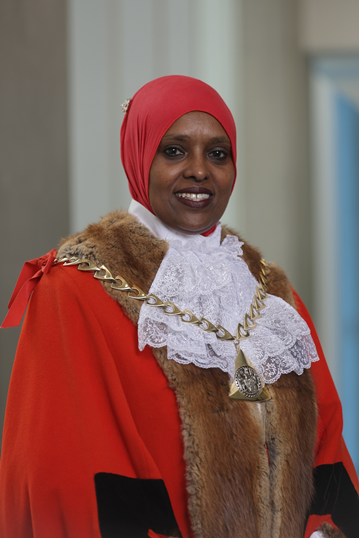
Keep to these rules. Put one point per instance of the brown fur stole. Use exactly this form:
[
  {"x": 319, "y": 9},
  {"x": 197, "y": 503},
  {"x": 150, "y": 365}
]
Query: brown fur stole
[{"x": 233, "y": 491}]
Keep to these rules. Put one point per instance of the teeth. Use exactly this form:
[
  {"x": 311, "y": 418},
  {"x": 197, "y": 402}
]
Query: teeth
[{"x": 193, "y": 196}]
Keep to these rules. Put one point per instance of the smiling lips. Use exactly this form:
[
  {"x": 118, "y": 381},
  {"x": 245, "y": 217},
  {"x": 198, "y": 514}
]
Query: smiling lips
[
  {"x": 193, "y": 196},
  {"x": 196, "y": 197}
]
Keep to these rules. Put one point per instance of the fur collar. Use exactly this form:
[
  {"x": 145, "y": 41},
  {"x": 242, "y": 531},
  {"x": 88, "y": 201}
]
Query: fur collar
[{"x": 233, "y": 491}]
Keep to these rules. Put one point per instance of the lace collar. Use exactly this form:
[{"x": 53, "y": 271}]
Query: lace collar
[{"x": 211, "y": 279}]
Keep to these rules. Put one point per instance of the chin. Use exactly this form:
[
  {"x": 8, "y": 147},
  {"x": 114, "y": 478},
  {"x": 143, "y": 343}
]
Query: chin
[{"x": 193, "y": 230}]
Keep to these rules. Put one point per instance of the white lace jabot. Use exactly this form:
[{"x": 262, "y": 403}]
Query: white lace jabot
[{"x": 211, "y": 279}]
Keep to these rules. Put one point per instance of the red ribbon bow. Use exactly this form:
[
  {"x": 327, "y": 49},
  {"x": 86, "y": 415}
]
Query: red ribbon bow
[{"x": 30, "y": 274}]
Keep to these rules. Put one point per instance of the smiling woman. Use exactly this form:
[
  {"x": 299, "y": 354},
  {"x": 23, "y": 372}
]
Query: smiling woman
[
  {"x": 192, "y": 174},
  {"x": 167, "y": 381}
]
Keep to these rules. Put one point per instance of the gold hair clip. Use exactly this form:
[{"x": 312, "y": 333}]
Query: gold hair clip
[{"x": 125, "y": 105}]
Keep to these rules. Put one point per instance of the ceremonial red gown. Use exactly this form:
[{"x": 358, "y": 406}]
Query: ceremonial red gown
[{"x": 83, "y": 400}]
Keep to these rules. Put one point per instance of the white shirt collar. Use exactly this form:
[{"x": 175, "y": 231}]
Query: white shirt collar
[{"x": 159, "y": 229}]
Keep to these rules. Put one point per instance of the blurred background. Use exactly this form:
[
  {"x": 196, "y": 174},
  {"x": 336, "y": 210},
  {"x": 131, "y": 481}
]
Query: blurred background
[{"x": 289, "y": 71}]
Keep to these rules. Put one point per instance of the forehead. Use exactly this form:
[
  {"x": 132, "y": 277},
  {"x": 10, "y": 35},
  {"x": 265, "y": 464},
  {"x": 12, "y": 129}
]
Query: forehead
[{"x": 196, "y": 123}]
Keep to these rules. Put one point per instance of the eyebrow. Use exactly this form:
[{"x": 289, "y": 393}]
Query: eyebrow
[{"x": 214, "y": 140}]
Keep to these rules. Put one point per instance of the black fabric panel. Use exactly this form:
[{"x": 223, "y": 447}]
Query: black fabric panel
[
  {"x": 334, "y": 494},
  {"x": 129, "y": 507}
]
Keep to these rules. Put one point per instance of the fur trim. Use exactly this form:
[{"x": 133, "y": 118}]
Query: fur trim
[
  {"x": 126, "y": 247},
  {"x": 233, "y": 492},
  {"x": 330, "y": 532}
]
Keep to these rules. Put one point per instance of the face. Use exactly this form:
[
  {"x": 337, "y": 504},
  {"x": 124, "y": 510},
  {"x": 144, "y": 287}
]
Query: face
[{"x": 192, "y": 174}]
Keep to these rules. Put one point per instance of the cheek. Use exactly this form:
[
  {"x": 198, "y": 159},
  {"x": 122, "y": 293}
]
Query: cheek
[
  {"x": 154, "y": 182},
  {"x": 157, "y": 174},
  {"x": 231, "y": 181},
  {"x": 162, "y": 179},
  {"x": 158, "y": 187}
]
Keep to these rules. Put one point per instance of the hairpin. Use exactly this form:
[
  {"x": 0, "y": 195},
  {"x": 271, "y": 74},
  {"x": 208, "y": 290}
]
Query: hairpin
[{"x": 125, "y": 105}]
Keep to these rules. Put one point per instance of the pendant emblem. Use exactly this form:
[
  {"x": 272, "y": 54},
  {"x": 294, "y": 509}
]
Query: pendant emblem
[
  {"x": 248, "y": 381},
  {"x": 247, "y": 384}
]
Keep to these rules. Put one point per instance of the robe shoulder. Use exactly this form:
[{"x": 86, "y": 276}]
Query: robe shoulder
[{"x": 83, "y": 401}]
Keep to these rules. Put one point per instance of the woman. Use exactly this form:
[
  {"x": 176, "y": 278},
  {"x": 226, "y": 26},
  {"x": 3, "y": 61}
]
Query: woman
[{"x": 104, "y": 439}]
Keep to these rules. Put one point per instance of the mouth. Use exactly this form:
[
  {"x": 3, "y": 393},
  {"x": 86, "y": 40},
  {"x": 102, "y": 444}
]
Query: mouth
[
  {"x": 193, "y": 196},
  {"x": 196, "y": 197}
]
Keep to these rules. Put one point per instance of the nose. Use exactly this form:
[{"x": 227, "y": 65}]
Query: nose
[{"x": 196, "y": 167}]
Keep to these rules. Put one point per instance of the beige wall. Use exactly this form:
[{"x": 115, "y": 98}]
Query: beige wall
[
  {"x": 329, "y": 25},
  {"x": 276, "y": 134},
  {"x": 33, "y": 145}
]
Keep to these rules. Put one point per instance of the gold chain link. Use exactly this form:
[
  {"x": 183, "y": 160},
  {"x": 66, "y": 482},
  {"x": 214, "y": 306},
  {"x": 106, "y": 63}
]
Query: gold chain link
[{"x": 118, "y": 283}]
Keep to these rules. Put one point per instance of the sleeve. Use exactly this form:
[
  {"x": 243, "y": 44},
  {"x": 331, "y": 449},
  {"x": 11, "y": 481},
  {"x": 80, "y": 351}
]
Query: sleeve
[
  {"x": 68, "y": 424},
  {"x": 336, "y": 502}
]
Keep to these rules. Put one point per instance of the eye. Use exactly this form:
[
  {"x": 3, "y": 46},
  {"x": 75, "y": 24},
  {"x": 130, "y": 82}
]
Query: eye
[
  {"x": 218, "y": 154},
  {"x": 173, "y": 151}
]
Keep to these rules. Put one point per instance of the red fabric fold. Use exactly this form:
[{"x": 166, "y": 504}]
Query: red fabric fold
[{"x": 30, "y": 274}]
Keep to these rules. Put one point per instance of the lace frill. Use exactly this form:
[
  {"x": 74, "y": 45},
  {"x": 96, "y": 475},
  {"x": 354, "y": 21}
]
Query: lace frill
[{"x": 215, "y": 282}]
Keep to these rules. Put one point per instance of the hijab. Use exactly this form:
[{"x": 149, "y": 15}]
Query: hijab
[{"x": 152, "y": 111}]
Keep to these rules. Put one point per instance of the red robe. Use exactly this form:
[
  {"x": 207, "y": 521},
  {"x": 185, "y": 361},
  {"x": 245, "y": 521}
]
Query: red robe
[{"x": 83, "y": 400}]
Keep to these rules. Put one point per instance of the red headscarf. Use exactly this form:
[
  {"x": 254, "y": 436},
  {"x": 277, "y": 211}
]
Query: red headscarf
[{"x": 152, "y": 111}]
